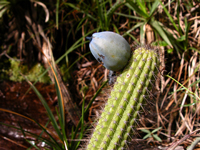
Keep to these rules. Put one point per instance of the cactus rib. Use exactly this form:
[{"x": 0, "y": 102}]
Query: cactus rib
[{"x": 124, "y": 103}]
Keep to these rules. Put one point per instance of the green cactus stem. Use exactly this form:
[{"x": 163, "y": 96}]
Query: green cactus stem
[{"x": 124, "y": 104}]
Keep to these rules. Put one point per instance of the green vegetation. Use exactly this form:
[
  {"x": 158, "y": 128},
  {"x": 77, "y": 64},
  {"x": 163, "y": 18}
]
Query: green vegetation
[
  {"x": 15, "y": 71},
  {"x": 52, "y": 34},
  {"x": 125, "y": 102},
  {"x": 150, "y": 134}
]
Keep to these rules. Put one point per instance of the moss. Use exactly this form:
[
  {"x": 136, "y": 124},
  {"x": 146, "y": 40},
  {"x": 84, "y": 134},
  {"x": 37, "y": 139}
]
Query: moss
[{"x": 33, "y": 74}]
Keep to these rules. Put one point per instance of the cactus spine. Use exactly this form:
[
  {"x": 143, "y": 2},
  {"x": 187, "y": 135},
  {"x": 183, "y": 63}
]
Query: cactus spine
[{"x": 124, "y": 103}]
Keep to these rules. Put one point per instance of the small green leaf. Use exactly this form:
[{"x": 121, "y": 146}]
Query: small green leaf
[
  {"x": 155, "y": 136},
  {"x": 182, "y": 38},
  {"x": 145, "y": 130},
  {"x": 187, "y": 105},
  {"x": 159, "y": 43},
  {"x": 169, "y": 51},
  {"x": 2, "y": 11},
  {"x": 147, "y": 136},
  {"x": 157, "y": 129}
]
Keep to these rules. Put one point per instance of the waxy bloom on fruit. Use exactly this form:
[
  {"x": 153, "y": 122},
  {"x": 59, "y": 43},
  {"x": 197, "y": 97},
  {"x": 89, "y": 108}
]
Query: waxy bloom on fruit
[{"x": 111, "y": 49}]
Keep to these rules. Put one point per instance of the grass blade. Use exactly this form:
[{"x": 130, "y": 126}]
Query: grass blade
[
  {"x": 60, "y": 101},
  {"x": 86, "y": 112},
  {"x": 142, "y": 33},
  {"x": 112, "y": 9},
  {"x": 184, "y": 87},
  {"x": 155, "y": 24},
  {"x": 52, "y": 144},
  {"x": 133, "y": 28},
  {"x": 57, "y": 14},
  {"x": 142, "y": 6},
  {"x": 80, "y": 10},
  {"x": 49, "y": 112},
  {"x": 154, "y": 7},
  {"x": 169, "y": 16},
  {"x": 134, "y": 6},
  {"x": 130, "y": 16}
]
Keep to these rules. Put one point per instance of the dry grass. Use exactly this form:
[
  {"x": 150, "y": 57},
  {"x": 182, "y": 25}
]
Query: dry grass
[{"x": 175, "y": 105}]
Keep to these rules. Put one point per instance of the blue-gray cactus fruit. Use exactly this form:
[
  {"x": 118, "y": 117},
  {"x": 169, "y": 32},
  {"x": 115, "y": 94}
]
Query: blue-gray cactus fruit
[{"x": 110, "y": 49}]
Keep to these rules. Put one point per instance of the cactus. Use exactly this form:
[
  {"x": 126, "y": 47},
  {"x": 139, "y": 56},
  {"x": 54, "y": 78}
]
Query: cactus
[{"x": 123, "y": 106}]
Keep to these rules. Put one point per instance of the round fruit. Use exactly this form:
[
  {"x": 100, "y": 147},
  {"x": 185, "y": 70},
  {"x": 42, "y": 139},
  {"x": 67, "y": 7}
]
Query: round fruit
[{"x": 110, "y": 49}]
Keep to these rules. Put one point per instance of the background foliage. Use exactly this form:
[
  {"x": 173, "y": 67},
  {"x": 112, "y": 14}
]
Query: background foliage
[{"x": 172, "y": 26}]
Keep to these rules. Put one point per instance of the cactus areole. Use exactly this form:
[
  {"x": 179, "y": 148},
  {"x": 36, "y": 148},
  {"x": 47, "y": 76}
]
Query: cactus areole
[{"x": 110, "y": 49}]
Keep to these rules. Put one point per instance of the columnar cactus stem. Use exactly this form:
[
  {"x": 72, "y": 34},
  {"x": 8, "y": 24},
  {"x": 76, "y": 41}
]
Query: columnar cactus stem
[{"x": 124, "y": 103}]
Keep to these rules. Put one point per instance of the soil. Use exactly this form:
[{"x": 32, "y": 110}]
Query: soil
[{"x": 14, "y": 97}]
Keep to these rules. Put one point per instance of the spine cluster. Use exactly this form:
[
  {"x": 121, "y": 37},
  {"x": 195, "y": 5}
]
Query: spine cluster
[{"x": 123, "y": 106}]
